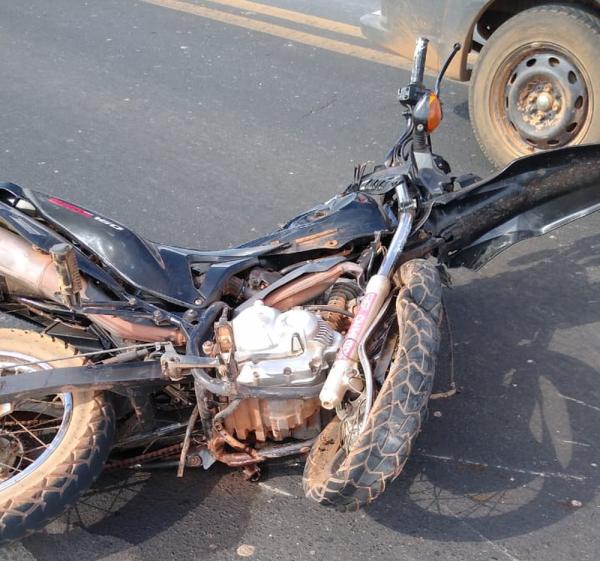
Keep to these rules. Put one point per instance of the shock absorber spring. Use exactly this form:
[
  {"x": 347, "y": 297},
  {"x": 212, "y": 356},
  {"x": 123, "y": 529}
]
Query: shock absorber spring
[{"x": 339, "y": 297}]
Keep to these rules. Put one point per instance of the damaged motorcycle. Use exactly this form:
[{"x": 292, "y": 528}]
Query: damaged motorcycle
[{"x": 319, "y": 339}]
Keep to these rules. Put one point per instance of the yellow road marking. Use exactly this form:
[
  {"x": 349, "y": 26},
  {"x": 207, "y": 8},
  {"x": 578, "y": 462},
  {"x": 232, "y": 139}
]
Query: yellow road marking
[
  {"x": 290, "y": 15},
  {"x": 332, "y": 45}
]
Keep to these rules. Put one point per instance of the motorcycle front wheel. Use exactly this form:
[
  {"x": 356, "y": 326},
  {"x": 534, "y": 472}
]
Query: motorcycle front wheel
[
  {"x": 52, "y": 448},
  {"x": 350, "y": 476}
]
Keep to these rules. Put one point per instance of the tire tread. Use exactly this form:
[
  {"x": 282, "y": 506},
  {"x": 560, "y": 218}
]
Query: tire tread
[
  {"x": 381, "y": 451},
  {"x": 578, "y": 13},
  {"x": 32, "y": 507}
]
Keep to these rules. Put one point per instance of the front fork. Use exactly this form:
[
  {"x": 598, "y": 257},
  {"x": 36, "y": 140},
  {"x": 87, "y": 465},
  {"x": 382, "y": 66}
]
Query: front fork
[{"x": 344, "y": 371}]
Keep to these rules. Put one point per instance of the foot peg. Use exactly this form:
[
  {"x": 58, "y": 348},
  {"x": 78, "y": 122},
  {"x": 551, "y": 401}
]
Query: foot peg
[{"x": 65, "y": 261}]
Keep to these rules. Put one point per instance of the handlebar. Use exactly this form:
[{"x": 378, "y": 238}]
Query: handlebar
[
  {"x": 418, "y": 69},
  {"x": 423, "y": 108}
]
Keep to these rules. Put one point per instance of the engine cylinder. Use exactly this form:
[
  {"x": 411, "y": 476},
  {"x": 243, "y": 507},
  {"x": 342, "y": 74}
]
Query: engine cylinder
[{"x": 280, "y": 349}]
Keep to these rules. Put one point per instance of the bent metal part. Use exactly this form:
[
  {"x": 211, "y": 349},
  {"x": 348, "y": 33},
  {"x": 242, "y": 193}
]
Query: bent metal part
[{"x": 318, "y": 339}]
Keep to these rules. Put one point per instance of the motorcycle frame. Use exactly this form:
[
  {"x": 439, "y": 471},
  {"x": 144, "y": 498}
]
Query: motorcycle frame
[
  {"x": 467, "y": 227},
  {"x": 462, "y": 226}
]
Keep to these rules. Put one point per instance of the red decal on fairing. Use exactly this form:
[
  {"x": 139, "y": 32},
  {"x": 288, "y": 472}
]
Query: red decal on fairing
[
  {"x": 358, "y": 327},
  {"x": 69, "y": 206}
]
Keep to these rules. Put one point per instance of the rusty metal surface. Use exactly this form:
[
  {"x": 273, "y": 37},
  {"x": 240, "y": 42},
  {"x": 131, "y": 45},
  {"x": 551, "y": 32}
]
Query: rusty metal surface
[
  {"x": 32, "y": 273},
  {"x": 306, "y": 240},
  {"x": 269, "y": 419},
  {"x": 309, "y": 286},
  {"x": 139, "y": 332},
  {"x": 242, "y": 457},
  {"x": 166, "y": 452}
]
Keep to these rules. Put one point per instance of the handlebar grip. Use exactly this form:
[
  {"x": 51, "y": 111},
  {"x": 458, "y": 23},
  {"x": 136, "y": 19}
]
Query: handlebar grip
[{"x": 418, "y": 69}]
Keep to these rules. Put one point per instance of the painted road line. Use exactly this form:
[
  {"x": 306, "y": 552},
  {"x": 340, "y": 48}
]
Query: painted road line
[
  {"x": 290, "y": 15},
  {"x": 286, "y": 33},
  {"x": 276, "y": 490},
  {"x": 544, "y": 474}
]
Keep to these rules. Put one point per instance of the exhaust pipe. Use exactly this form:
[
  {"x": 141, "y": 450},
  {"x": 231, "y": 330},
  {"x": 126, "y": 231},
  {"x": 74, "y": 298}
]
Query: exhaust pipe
[{"x": 30, "y": 272}]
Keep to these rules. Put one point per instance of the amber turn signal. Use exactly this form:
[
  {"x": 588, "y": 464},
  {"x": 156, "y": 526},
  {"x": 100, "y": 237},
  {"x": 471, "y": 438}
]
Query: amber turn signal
[{"x": 434, "y": 117}]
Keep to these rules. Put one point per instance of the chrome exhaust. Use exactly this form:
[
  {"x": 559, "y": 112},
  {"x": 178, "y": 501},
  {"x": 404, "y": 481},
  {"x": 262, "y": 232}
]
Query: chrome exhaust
[{"x": 31, "y": 272}]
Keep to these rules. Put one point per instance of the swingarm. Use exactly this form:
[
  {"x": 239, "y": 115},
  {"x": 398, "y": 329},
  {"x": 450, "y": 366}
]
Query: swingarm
[{"x": 113, "y": 377}]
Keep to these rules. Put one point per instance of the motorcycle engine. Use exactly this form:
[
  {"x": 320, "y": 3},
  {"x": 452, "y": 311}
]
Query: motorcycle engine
[{"x": 273, "y": 348}]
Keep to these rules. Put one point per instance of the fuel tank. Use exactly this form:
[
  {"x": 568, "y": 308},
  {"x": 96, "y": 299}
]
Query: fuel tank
[{"x": 331, "y": 225}]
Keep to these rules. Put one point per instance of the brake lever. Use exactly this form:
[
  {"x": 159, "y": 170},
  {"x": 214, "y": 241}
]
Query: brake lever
[{"x": 440, "y": 77}]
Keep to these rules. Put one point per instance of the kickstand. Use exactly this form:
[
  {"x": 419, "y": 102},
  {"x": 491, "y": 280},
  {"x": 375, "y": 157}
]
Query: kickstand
[{"x": 187, "y": 440}]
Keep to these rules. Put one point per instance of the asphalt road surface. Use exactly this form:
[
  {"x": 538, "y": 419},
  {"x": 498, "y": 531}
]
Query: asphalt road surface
[{"x": 206, "y": 124}]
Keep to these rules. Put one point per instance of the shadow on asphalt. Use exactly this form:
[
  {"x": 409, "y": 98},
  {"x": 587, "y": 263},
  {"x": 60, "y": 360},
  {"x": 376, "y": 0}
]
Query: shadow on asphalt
[
  {"x": 125, "y": 509},
  {"x": 511, "y": 421},
  {"x": 462, "y": 110}
]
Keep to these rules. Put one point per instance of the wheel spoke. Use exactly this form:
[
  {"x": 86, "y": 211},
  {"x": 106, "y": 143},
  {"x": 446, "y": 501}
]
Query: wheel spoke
[
  {"x": 44, "y": 446},
  {"x": 29, "y": 432},
  {"x": 12, "y": 468},
  {"x": 35, "y": 430},
  {"x": 48, "y": 408}
]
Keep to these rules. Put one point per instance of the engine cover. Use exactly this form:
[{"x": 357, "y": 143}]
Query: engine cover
[
  {"x": 293, "y": 348},
  {"x": 268, "y": 419}
]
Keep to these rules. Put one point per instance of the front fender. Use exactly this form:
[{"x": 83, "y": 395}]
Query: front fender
[{"x": 530, "y": 197}]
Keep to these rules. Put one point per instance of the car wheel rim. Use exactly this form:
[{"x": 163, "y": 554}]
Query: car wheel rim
[{"x": 541, "y": 99}]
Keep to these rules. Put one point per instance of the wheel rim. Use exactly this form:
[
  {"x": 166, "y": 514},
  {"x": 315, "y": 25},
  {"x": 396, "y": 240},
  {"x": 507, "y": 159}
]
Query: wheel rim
[
  {"x": 540, "y": 99},
  {"x": 33, "y": 430}
]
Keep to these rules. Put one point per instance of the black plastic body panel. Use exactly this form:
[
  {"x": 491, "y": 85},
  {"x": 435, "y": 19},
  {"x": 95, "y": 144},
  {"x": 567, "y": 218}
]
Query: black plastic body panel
[
  {"x": 166, "y": 271},
  {"x": 331, "y": 225},
  {"x": 530, "y": 197},
  {"x": 44, "y": 238},
  {"x": 144, "y": 265}
]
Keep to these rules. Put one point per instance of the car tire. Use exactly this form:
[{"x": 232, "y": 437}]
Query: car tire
[{"x": 536, "y": 85}]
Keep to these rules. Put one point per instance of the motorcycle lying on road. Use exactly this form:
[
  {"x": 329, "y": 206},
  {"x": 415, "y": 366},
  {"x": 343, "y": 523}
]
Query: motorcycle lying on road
[{"x": 317, "y": 339}]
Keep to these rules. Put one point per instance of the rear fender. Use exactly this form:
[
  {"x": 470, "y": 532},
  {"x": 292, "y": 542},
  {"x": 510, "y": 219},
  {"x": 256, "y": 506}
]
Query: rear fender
[{"x": 530, "y": 197}]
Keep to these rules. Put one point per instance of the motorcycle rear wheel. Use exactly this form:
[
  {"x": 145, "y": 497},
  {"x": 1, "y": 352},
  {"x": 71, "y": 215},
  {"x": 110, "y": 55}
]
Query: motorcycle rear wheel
[
  {"x": 51, "y": 449},
  {"x": 349, "y": 480}
]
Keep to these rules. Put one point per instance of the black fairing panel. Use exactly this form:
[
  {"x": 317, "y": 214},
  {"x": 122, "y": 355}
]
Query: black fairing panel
[
  {"x": 43, "y": 237},
  {"x": 166, "y": 271},
  {"x": 331, "y": 225},
  {"x": 530, "y": 197},
  {"x": 141, "y": 263}
]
